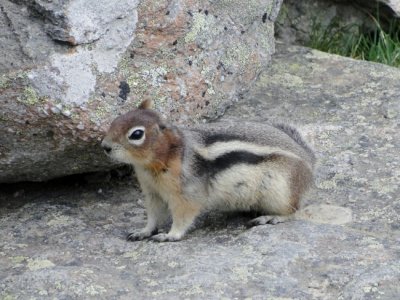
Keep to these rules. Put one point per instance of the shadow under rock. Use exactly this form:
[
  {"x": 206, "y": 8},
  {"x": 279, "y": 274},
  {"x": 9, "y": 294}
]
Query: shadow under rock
[{"x": 65, "y": 190}]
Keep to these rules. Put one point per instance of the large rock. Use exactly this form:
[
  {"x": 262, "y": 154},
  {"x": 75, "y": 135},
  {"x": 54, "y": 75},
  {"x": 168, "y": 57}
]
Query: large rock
[
  {"x": 68, "y": 67},
  {"x": 65, "y": 243}
]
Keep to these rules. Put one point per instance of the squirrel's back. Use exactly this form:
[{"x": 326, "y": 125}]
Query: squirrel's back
[{"x": 279, "y": 136}]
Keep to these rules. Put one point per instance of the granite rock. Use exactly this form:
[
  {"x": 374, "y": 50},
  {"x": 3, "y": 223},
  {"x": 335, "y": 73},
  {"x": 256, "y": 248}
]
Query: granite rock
[{"x": 68, "y": 67}]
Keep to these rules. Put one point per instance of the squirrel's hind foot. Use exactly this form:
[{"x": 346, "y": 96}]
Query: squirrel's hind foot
[{"x": 272, "y": 220}]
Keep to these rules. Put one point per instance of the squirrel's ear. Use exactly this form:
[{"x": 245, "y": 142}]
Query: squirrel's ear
[{"x": 146, "y": 104}]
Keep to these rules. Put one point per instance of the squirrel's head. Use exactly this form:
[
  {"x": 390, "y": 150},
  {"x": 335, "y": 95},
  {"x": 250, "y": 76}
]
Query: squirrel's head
[{"x": 140, "y": 137}]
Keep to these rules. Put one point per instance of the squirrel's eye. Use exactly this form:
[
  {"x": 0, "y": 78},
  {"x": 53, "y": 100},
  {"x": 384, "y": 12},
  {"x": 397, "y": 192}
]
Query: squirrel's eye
[{"x": 136, "y": 135}]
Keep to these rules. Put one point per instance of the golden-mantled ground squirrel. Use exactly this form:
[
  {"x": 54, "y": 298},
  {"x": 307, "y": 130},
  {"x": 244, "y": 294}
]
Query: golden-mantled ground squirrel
[{"x": 227, "y": 165}]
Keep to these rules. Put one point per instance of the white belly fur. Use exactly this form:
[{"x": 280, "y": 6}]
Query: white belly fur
[{"x": 243, "y": 187}]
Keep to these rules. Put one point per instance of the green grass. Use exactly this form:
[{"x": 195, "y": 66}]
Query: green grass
[{"x": 380, "y": 45}]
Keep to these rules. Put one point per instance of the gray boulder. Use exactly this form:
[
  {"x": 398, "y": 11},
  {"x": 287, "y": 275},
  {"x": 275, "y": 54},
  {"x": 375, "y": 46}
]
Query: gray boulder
[
  {"x": 69, "y": 67},
  {"x": 65, "y": 243}
]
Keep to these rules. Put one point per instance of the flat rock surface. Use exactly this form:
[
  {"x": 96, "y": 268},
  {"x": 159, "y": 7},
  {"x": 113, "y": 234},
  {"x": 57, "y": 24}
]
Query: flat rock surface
[{"x": 65, "y": 239}]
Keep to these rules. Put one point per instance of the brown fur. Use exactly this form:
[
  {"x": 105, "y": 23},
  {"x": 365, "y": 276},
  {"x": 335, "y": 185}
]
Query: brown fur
[
  {"x": 146, "y": 104},
  {"x": 167, "y": 152},
  {"x": 299, "y": 172}
]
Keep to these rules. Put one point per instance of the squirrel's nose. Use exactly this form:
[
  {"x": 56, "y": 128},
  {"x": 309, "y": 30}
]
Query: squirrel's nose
[{"x": 107, "y": 149}]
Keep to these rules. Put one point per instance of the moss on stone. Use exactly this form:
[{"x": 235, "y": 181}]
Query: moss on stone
[
  {"x": 137, "y": 85},
  {"x": 166, "y": 53},
  {"x": 94, "y": 290},
  {"x": 237, "y": 56},
  {"x": 4, "y": 81},
  {"x": 154, "y": 75},
  {"x": 29, "y": 96},
  {"x": 37, "y": 264},
  {"x": 265, "y": 40},
  {"x": 140, "y": 80},
  {"x": 101, "y": 111},
  {"x": 22, "y": 75},
  {"x": 160, "y": 101},
  {"x": 133, "y": 255},
  {"x": 199, "y": 25},
  {"x": 124, "y": 66},
  {"x": 8, "y": 297},
  {"x": 18, "y": 259},
  {"x": 210, "y": 88}
]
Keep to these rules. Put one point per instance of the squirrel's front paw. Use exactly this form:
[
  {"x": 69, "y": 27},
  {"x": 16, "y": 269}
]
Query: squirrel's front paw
[
  {"x": 140, "y": 235},
  {"x": 165, "y": 237}
]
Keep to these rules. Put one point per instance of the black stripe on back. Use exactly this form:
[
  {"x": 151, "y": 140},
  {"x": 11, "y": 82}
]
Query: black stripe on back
[
  {"x": 211, "y": 168},
  {"x": 219, "y": 137}
]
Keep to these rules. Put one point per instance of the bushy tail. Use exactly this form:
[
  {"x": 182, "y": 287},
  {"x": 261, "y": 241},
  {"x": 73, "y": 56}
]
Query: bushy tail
[{"x": 296, "y": 136}]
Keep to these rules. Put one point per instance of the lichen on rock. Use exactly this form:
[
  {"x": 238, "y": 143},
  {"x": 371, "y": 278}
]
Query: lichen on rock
[{"x": 29, "y": 96}]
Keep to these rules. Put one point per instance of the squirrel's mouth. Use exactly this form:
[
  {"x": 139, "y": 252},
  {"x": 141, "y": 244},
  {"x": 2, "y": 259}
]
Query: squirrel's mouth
[
  {"x": 118, "y": 155},
  {"x": 106, "y": 147},
  {"x": 107, "y": 150}
]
